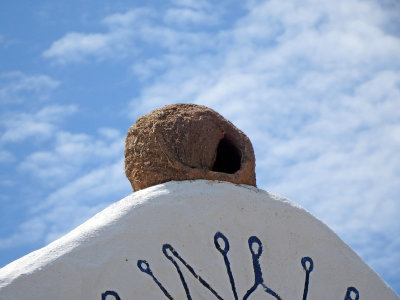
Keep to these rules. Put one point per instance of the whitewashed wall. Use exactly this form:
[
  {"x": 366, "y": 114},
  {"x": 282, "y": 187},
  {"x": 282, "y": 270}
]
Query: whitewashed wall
[{"x": 196, "y": 240}]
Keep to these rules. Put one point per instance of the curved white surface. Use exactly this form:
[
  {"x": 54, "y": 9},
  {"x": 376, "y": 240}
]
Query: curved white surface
[{"x": 103, "y": 253}]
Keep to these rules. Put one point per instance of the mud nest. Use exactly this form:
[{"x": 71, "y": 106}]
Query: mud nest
[{"x": 187, "y": 142}]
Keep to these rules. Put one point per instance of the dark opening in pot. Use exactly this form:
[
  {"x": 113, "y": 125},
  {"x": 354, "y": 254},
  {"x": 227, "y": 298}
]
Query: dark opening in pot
[{"x": 228, "y": 158}]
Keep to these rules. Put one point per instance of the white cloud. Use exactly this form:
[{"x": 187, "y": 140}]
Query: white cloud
[
  {"x": 141, "y": 26},
  {"x": 130, "y": 18},
  {"x": 58, "y": 171},
  {"x": 42, "y": 124},
  {"x": 77, "y": 201},
  {"x": 187, "y": 16},
  {"x": 17, "y": 87},
  {"x": 72, "y": 153},
  {"x": 98, "y": 183},
  {"x": 76, "y": 47},
  {"x": 146, "y": 69},
  {"x": 70, "y": 205}
]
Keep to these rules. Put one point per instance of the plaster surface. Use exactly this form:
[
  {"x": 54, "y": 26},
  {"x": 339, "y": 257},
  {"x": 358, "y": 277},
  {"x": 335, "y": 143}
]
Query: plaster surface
[{"x": 118, "y": 254}]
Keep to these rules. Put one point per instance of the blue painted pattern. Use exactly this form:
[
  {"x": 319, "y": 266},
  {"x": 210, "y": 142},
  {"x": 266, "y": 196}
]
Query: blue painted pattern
[{"x": 221, "y": 243}]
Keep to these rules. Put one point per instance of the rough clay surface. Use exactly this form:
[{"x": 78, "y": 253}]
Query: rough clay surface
[{"x": 180, "y": 142}]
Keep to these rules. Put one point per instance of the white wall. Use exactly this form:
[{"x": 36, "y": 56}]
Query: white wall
[{"x": 103, "y": 254}]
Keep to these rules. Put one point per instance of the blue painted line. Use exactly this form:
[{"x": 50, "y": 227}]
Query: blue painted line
[
  {"x": 258, "y": 279},
  {"x": 352, "y": 291},
  {"x": 224, "y": 252},
  {"x": 145, "y": 268},
  {"x": 308, "y": 266},
  {"x": 110, "y": 293}
]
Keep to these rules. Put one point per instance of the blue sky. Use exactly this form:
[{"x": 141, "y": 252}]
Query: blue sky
[{"x": 314, "y": 84}]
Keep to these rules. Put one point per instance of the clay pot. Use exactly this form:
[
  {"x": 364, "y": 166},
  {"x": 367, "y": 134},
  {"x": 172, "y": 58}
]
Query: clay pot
[{"x": 187, "y": 142}]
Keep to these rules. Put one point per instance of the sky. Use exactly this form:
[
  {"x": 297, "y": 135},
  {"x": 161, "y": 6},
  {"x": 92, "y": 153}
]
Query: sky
[{"x": 314, "y": 84}]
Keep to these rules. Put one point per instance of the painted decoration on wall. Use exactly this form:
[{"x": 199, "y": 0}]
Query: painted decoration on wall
[
  {"x": 196, "y": 240},
  {"x": 255, "y": 247}
]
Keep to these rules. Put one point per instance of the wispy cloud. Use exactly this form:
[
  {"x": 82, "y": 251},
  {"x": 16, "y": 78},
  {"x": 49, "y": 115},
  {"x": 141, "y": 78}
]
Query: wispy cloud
[
  {"x": 70, "y": 205},
  {"x": 126, "y": 30},
  {"x": 17, "y": 87},
  {"x": 71, "y": 153},
  {"x": 70, "y": 169},
  {"x": 185, "y": 16},
  {"x": 76, "y": 47},
  {"x": 41, "y": 124},
  {"x": 79, "y": 173}
]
